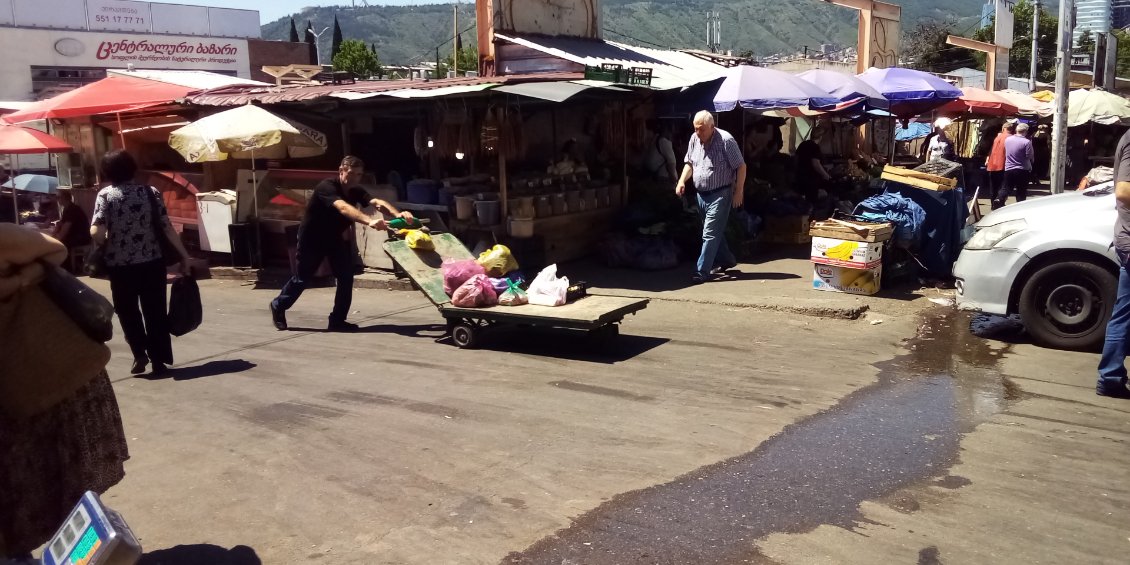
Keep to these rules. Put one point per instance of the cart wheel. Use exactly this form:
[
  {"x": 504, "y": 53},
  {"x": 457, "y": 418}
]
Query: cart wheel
[
  {"x": 464, "y": 335},
  {"x": 607, "y": 334}
]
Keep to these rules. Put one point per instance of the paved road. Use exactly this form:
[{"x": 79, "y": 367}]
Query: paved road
[{"x": 387, "y": 447}]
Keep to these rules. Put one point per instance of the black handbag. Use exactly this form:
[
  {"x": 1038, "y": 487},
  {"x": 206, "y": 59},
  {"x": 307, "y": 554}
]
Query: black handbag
[
  {"x": 185, "y": 310},
  {"x": 90, "y": 311},
  {"x": 94, "y": 264},
  {"x": 168, "y": 252}
]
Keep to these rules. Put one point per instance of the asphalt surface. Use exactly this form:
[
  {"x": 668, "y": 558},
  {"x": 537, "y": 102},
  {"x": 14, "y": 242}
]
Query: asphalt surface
[{"x": 712, "y": 435}]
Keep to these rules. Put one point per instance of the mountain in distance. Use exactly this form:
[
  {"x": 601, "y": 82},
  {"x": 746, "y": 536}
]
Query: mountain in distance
[{"x": 405, "y": 35}]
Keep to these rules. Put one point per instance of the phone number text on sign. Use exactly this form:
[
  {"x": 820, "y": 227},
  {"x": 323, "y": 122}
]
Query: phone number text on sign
[{"x": 120, "y": 19}]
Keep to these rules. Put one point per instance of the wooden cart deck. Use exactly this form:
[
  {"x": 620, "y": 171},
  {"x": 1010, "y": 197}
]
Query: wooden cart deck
[{"x": 424, "y": 268}]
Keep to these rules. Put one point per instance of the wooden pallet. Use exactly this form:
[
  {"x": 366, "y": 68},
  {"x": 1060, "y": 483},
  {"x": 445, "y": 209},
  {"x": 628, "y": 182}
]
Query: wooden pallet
[{"x": 918, "y": 179}]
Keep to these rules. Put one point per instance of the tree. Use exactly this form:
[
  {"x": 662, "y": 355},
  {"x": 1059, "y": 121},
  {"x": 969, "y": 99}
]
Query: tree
[
  {"x": 1123, "y": 38},
  {"x": 311, "y": 43},
  {"x": 925, "y": 48},
  {"x": 1020, "y": 56},
  {"x": 1086, "y": 43},
  {"x": 356, "y": 58},
  {"x": 468, "y": 61},
  {"x": 293, "y": 32},
  {"x": 335, "y": 47}
]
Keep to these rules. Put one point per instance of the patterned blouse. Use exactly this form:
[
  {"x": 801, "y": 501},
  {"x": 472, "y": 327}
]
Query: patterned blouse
[{"x": 127, "y": 213}]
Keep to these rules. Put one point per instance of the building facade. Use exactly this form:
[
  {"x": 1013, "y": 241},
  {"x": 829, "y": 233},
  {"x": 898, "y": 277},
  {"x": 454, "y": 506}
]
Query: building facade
[
  {"x": 51, "y": 46},
  {"x": 1093, "y": 15},
  {"x": 1119, "y": 14}
]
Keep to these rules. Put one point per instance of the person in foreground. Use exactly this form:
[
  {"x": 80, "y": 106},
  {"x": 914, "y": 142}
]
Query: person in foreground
[
  {"x": 55, "y": 454},
  {"x": 715, "y": 162},
  {"x": 326, "y": 232},
  {"x": 1112, "y": 365},
  {"x": 128, "y": 219}
]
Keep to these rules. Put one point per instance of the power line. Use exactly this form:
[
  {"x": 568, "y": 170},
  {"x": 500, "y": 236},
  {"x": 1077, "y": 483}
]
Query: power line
[{"x": 626, "y": 36}]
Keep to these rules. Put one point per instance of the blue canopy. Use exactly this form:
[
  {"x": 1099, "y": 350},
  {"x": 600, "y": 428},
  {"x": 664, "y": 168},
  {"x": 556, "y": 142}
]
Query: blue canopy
[
  {"x": 910, "y": 92},
  {"x": 759, "y": 88},
  {"x": 914, "y": 130},
  {"x": 846, "y": 87}
]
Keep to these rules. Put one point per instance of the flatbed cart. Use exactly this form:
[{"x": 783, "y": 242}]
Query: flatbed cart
[{"x": 599, "y": 315}]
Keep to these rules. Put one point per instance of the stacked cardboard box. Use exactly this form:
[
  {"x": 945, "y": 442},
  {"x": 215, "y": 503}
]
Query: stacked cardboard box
[{"x": 850, "y": 261}]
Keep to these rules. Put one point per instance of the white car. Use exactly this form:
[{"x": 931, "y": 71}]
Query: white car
[{"x": 1049, "y": 259}]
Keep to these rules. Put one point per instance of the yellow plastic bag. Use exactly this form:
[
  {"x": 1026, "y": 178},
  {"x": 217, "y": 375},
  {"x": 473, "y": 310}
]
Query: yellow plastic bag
[
  {"x": 497, "y": 261},
  {"x": 419, "y": 241}
]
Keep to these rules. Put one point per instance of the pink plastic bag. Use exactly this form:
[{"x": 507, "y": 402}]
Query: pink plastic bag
[
  {"x": 477, "y": 292},
  {"x": 455, "y": 273}
]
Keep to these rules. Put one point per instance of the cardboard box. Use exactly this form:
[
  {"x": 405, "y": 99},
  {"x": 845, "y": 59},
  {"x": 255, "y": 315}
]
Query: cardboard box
[
  {"x": 786, "y": 224},
  {"x": 852, "y": 230},
  {"x": 850, "y": 281},
  {"x": 844, "y": 253}
]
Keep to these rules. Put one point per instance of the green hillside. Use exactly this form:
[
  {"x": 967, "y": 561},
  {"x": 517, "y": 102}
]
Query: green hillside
[{"x": 410, "y": 34}]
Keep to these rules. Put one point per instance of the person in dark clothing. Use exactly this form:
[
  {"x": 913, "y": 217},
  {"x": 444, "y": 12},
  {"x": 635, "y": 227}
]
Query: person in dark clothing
[
  {"x": 811, "y": 176},
  {"x": 72, "y": 228},
  {"x": 326, "y": 233},
  {"x": 127, "y": 218}
]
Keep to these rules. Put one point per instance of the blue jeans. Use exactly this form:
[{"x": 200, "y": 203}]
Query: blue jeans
[
  {"x": 310, "y": 257},
  {"x": 1112, "y": 367},
  {"x": 714, "y": 211}
]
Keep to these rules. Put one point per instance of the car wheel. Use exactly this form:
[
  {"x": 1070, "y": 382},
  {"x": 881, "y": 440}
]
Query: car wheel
[{"x": 1067, "y": 305}]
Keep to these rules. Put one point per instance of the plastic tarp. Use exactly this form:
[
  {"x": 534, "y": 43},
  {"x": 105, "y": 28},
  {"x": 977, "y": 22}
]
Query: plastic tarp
[
  {"x": 937, "y": 216},
  {"x": 913, "y": 130},
  {"x": 1097, "y": 106}
]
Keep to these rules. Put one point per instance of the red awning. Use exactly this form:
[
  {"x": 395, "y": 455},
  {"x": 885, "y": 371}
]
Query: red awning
[
  {"x": 111, "y": 94},
  {"x": 981, "y": 102},
  {"x": 22, "y": 141}
]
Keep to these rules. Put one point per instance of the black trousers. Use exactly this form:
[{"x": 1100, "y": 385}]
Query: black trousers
[
  {"x": 147, "y": 328},
  {"x": 1015, "y": 181},
  {"x": 310, "y": 257}
]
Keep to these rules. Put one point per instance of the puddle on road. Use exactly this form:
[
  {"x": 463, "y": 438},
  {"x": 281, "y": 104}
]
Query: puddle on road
[{"x": 903, "y": 430}]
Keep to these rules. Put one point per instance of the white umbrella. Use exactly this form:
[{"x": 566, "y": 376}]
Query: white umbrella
[
  {"x": 43, "y": 184},
  {"x": 246, "y": 132}
]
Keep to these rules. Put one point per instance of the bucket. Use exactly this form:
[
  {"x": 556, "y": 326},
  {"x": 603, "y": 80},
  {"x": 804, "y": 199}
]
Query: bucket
[
  {"x": 559, "y": 204},
  {"x": 543, "y": 207},
  {"x": 422, "y": 191},
  {"x": 588, "y": 197},
  {"x": 445, "y": 197},
  {"x": 464, "y": 207},
  {"x": 526, "y": 207},
  {"x": 488, "y": 212},
  {"x": 520, "y": 227},
  {"x": 573, "y": 201}
]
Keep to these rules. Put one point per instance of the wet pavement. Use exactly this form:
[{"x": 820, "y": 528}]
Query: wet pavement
[{"x": 903, "y": 431}]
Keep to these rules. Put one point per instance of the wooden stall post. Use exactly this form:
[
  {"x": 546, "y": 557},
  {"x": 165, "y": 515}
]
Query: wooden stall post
[
  {"x": 624, "y": 157},
  {"x": 503, "y": 185}
]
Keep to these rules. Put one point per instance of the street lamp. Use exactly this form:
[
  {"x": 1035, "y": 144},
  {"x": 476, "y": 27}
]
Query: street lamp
[{"x": 317, "y": 41}]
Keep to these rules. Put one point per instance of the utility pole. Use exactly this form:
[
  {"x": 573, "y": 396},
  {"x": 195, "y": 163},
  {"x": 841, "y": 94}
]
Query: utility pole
[
  {"x": 1062, "y": 85},
  {"x": 455, "y": 38},
  {"x": 1035, "y": 45}
]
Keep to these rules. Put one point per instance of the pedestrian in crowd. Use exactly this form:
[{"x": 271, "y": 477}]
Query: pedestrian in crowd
[
  {"x": 326, "y": 233},
  {"x": 995, "y": 164},
  {"x": 1041, "y": 143},
  {"x": 940, "y": 146},
  {"x": 129, "y": 217},
  {"x": 659, "y": 154},
  {"x": 1112, "y": 364},
  {"x": 1018, "y": 159},
  {"x": 811, "y": 177},
  {"x": 72, "y": 228},
  {"x": 714, "y": 160},
  {"x": 52, "y": 456}
]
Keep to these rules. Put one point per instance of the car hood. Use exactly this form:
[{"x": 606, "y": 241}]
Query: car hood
[{"x": 1078, "y": 206}]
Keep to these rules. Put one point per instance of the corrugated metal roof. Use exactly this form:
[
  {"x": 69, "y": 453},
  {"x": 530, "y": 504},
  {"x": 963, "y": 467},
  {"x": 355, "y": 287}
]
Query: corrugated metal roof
[
  {"x": 670, "y": 69},
  {"x": 237, "y": 95}
]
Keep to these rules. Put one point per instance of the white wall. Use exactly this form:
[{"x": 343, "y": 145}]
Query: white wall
[
  {"x": 130, "y": 15},
  {"x": 23, "y": 48}
]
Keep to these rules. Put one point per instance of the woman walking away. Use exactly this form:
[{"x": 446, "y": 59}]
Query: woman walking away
[
  {"x": 128, "y": 219},
  {"x": 53, "y": 446}
]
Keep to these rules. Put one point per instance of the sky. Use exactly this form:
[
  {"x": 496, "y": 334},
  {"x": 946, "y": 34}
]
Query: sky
[{"x": 275, "y": 9}]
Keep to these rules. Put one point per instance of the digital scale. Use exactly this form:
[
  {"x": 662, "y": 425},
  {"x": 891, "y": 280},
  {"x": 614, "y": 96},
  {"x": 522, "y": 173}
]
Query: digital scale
[{"x": 92, "y": 535}]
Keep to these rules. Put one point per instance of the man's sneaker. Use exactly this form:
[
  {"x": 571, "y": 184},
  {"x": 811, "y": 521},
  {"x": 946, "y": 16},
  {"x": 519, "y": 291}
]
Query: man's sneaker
[
  {"x": 345, "y": 327},
  {"x": 1113, "y": 391},
  {"x": 723, "y": 268},
  {"x": 278, "y": 316},
  {"x": 699, "y": 279}
]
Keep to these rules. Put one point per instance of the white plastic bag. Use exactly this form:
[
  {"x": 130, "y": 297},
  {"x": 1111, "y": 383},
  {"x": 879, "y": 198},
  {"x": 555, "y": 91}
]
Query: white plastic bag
[{"x": 547, "y": 289}]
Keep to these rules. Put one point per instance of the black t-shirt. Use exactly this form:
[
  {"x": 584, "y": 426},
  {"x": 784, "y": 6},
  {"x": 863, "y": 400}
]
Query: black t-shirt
[
  {"x": 323, "y": 224},
  {"x": 79, "y": 232},
  {"x": 805, "y": 153}
]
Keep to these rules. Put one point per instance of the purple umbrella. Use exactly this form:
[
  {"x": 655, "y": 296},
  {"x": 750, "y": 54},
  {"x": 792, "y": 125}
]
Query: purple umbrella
[
  {"x": 758, "y": 88},
  {"x": 910, "y": 92},
  {"x": 846, "y": 87}
]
